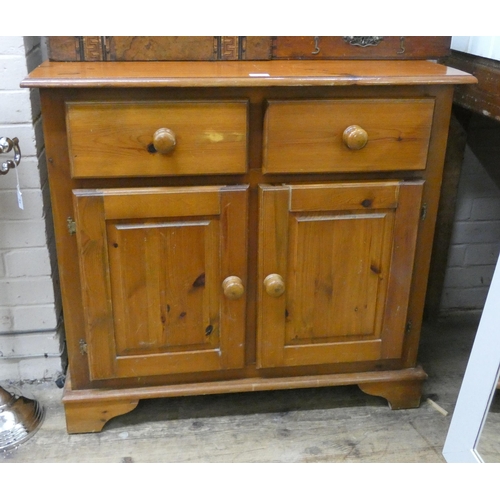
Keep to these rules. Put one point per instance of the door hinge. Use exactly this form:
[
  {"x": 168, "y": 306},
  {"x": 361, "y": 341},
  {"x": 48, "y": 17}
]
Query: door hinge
[
  {"x": 423, "y": 212},
  {"x": 71, "y": 225},
  {"x": 83, "y": 347},
  {"x": 408, "y": 327}
]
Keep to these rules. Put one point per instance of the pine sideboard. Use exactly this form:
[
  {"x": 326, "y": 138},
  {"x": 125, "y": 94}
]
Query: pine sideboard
[{"x": 230, "y": 226}]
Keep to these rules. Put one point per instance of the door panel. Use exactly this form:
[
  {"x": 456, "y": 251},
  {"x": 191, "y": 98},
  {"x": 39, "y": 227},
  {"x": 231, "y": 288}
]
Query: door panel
[
  {"x": 345, "y": 252},
  {"x": 337, "y": 287},
  {"x": 162, "y": 285},
  {"x": 152, "y": 279}
]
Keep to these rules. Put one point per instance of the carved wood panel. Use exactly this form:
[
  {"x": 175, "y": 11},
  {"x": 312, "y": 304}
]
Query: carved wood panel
[{"x": 204, "y": 48}]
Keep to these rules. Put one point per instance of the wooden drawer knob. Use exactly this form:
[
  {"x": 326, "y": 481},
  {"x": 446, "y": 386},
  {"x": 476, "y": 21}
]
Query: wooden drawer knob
[
  {"x": 355, "y": 137},
  {"x": 233, "y": 287},
  {"x": 274, "y": 285},
  {"x": 164, "y": 140}
]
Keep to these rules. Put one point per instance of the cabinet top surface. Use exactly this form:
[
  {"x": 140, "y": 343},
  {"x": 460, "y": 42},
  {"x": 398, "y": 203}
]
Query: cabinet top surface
[{"x": 242, "y": 74}]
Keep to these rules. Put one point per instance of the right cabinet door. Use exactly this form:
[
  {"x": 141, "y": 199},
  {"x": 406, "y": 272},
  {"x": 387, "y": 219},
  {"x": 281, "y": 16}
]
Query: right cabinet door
[{"x": 335, "y": 271}]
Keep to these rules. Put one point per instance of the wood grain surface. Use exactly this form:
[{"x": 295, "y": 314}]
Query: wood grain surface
[
  {"x": 243, "y": 74},
  {"x": 209, "y": 48}
]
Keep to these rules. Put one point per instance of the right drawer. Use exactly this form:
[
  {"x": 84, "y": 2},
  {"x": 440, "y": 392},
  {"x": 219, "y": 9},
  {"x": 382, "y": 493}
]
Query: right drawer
[{"x": 347, "y": 135}]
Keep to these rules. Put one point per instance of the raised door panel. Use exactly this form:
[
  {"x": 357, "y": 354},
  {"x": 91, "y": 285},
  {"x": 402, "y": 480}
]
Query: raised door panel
[
  {"x": 152, "y": 263},
  {"x": 345, "y": 255}
]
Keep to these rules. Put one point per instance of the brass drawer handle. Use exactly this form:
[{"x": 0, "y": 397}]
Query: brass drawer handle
[
  {"x": 233, "y": 287},
  {"x": 164, "y": 140},
  {"x": 355, "y": 137},
  {"x": 274, "y": 285}
]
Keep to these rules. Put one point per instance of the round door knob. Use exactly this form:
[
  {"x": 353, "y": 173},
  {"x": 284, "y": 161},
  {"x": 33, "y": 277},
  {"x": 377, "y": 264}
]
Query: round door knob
[
  {"x": 233, "y": 287},
  {"x": 274, "y": 285},
  {"x": 164, "y": 140},
  {"x": 355, "y": 137}
]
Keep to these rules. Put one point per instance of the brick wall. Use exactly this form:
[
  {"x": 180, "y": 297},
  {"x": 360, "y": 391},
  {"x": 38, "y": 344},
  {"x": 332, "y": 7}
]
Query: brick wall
[
  {"x": 30, "y": 328},
  {"x": 475, "y": 244}
]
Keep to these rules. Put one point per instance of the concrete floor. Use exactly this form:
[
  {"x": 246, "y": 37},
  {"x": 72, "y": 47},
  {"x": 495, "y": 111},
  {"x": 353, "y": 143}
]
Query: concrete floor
[{"x": 325, "y": 425}]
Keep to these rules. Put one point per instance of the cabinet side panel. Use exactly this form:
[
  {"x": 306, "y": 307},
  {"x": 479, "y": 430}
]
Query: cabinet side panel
[{"x": 67, "y": 253}]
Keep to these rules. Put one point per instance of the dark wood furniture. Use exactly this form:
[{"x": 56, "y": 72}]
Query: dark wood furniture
[{"x": 249, "y": 48}]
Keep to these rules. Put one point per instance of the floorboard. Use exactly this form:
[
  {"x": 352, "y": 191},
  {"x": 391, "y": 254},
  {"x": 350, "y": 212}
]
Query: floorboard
[{"x": 321, "y": 425}]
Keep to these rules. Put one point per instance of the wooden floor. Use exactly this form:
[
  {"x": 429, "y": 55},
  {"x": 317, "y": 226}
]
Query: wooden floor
[{"x": 339, "y": 424}]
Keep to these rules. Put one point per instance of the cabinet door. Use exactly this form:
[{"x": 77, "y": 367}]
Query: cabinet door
[
  {"x": 335, "y": 271},
  {"x": 152, "y": 265}
]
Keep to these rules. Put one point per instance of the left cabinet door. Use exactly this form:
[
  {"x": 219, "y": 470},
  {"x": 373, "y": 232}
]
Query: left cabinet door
[{"x": 153, "y": 264}]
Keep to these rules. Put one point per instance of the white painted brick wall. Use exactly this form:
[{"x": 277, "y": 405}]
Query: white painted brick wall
[
  {"x": 30, "y": 331},
  {"x": 475, "y": 244}
]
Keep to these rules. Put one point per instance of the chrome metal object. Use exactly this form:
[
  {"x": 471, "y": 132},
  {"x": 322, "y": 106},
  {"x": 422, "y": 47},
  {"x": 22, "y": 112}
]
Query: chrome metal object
[
  {"x": 7, "y": 145},
  {"x": 20, "y": 418}
]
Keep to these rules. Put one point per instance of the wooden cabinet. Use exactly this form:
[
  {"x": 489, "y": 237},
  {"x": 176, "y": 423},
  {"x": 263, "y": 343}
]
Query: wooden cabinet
[{"x": 236, "y": 226}]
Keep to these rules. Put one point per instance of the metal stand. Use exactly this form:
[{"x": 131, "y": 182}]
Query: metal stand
[{"x": 20, "y": 418}]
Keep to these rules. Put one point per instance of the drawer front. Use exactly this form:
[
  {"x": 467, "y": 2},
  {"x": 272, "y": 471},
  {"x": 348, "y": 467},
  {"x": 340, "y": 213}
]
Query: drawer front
[
  {"x": 157, "y": 139},
  {"x": 353, "y": 135}
]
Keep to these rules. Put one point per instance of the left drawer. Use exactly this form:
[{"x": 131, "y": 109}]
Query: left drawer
[{"x": 138, "y": 139}]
